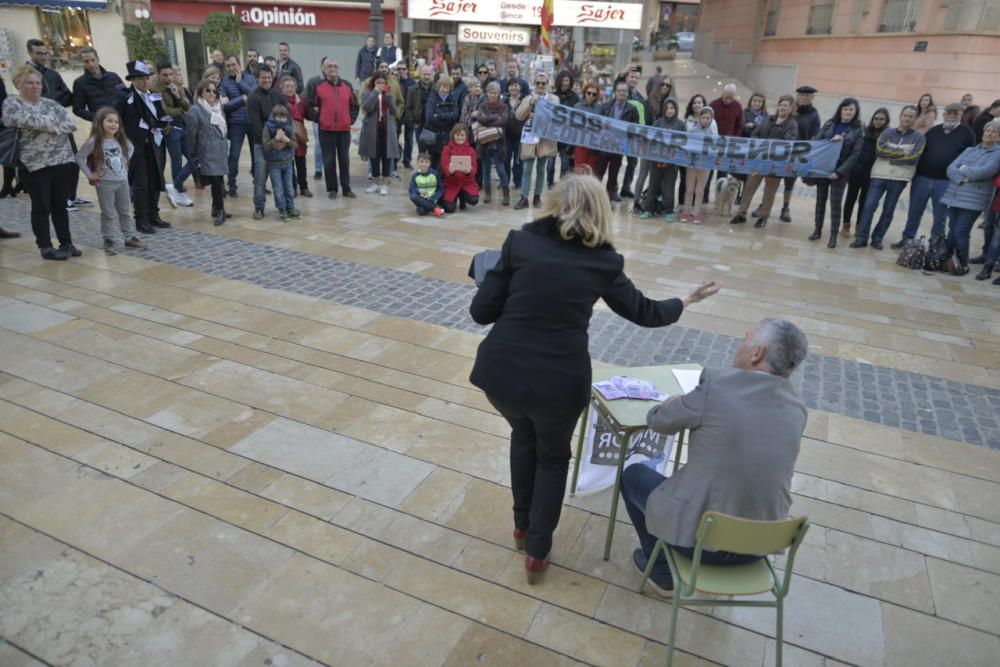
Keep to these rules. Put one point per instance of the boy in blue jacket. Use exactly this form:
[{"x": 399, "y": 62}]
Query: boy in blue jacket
[
  {"x": 278, "y": 142},
  {"x": 426, "y": 187}
]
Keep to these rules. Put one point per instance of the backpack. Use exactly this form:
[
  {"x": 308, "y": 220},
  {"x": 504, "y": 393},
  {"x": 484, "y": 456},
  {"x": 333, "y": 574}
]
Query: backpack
[
  {"x": 913, "y": 254},
  {"x": 938, "y": 254}
]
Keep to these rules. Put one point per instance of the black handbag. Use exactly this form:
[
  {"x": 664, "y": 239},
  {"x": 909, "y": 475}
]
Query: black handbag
[
  {"x": 10, "y": 147},
  {"x": 482, "y": 263},
  {"x": 427, "y": 137}
]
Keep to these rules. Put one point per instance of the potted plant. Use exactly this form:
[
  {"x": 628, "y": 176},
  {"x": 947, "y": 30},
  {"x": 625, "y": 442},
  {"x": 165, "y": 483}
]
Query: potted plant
[{"x": 669, "y": 53}]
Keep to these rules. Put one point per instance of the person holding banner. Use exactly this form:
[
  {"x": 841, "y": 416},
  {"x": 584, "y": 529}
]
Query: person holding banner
[
  {"x": 534, "y": 364},
  {"x": 619, "y": 109},
  {"x": 663, "y": 175},
  {"x": 535, "y": 151},
  {"x": 781, "y": 125},
  {"x": 591, "y": 104},
  {"x": 697, "y": 178},
  {"x": 845, "y": 127}
]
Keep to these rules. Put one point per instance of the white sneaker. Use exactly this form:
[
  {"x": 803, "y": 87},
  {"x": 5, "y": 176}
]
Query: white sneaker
[
  {"x": 172, "y": 195},
  {"x": 384, "y": 190},
  {"x": 371, "y": 189},
  {"x": 184, "y": 199},
  {"x": 70, "y": 206}
]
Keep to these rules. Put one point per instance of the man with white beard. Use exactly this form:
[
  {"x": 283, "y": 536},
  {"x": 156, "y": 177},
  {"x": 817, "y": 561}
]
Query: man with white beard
[{"x": 945, "y": 142}]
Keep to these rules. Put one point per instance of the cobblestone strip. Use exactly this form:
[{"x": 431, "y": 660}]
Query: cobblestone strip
[{"x": 901, "y": 399}]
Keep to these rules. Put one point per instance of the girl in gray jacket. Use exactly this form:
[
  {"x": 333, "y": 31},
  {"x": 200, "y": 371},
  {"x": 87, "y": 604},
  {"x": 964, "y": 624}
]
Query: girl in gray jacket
[{"x": 970, "y": 190}]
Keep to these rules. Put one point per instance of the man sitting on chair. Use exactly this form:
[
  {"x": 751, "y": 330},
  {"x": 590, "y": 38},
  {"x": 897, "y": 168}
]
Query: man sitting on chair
[{"x": 745, "y": 425}]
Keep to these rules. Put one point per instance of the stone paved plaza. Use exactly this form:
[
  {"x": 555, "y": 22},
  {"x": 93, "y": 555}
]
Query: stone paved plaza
[{"x": 257, "y": 445}]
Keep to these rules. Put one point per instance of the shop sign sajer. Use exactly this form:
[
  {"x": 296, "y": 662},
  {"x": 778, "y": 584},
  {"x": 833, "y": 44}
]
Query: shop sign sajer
[
  {"x": 621, "y": 15},
  {"x": 478, "y": 33}
]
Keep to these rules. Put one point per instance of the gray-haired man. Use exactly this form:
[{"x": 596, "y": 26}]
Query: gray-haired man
[{"x": 746, "y": 423}]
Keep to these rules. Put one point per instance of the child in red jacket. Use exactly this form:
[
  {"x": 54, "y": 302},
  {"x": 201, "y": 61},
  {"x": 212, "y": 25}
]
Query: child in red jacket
[{"x": 459, "y": 179}]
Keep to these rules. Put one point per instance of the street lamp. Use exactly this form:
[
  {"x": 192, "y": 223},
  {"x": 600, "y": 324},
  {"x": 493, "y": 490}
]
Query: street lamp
[{"x": 375, "y": 21}]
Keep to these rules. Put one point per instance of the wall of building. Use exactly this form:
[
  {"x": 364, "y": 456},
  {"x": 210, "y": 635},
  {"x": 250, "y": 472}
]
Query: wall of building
[
  {"x": 105, "y": 28},
  {"x": 961, "y": 54}
]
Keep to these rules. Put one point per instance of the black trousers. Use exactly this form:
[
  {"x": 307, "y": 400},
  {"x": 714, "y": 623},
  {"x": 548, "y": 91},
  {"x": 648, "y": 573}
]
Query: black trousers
[
  {"x": 661, "y": 181},
  {"x": 336, "y": 154},
  {"x": 49, "y": 188},
  {"x": 462, "y": 196},
  {"x": 630, "y": 164},
  {"x": 610, "y": 163},
  {"x": 215, "y": 183},
  {"x": 540, "y": 450},
  {"x": 856, "y": 193},
  {"x": 301, "y": 173},
  {"x": 146, "y": 185}
]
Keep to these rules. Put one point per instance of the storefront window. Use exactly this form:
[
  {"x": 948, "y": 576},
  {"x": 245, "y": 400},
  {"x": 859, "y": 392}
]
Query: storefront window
[{"x": 65, "y": 31}]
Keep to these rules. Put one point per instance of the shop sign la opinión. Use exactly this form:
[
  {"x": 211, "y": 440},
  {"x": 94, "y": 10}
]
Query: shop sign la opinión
[
  {"x": 283, "y": 16},
  {"x": 621, "y": 15}
]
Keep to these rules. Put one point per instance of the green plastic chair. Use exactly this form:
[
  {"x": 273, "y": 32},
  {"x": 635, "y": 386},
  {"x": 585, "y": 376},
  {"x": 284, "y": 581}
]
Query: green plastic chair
[{"x": 722, "y": 532}]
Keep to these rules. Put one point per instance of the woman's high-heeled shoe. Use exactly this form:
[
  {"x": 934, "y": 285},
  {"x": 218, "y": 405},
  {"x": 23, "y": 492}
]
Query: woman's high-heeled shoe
[
  {"x": 519, "y": 537},
  {"x": 535, "y": 567}
]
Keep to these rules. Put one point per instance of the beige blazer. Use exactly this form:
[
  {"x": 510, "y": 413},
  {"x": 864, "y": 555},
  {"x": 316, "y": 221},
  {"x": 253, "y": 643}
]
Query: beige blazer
[{"x": 745, "y": 432}]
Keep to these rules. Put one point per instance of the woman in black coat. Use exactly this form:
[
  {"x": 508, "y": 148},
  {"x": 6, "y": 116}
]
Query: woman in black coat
[
  {"x": 534, "y": 364},
  {"x": 857, "y": 187},
  {"x": 845, "y": 127}
]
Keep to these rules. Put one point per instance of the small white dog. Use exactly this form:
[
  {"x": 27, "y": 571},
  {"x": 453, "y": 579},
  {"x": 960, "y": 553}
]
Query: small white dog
[{"x": 726, "y": 190}]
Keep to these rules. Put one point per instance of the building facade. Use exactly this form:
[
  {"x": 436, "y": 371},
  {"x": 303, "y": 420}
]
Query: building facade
[
  {"x": 885, "y": 51},
  {"x": 312, "y": 29},
  {"x": 66, "y": 26}
]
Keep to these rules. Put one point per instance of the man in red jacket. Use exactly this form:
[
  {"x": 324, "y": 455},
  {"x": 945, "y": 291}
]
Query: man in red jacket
[
  {"x": 333, "y": 105},
  {"x": 728, "y": 115}
]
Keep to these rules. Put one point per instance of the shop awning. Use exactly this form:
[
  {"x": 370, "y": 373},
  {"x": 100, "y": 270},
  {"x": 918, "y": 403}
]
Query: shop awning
[{"x": 75, "y": 4}]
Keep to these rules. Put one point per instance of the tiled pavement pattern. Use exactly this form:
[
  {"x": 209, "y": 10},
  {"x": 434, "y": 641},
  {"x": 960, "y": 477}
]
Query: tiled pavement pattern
[
  {"x": 881, "y": 395},
  {"x": 202, "y": 471}
]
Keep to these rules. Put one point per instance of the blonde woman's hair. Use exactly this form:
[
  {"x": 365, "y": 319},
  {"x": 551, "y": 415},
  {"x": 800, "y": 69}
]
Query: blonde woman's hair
[
  {"x": 23, "y": 72},
  {"x": 580, "y": 203},
  {"x": 210, "y": 70}
]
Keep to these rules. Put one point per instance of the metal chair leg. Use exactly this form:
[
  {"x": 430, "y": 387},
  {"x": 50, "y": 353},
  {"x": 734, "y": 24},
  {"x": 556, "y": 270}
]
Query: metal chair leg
[
  {"x": 778, "y": 638},
  {"x": 622, "y": 455},
  {"x": 673, "y": 629},
  {"x": 579, "y": 449}
]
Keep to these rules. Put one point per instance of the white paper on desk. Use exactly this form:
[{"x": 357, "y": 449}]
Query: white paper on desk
[{"x": 688, "y": 380}]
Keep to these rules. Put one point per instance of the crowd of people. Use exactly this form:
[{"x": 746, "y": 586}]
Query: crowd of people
[{"x": 464, "y": 138}]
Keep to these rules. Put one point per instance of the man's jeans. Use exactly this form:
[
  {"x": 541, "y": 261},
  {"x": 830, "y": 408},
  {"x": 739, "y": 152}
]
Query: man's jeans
[
  {"x": 638, "y": 482},
  {"x": 259, "y": 178},
  {"x": 317, "y": 150},
  {"x": 177, "y": 151},
  {"x": 879, "y": 186},
  {"x": 922, "y": 189},
  {"x": 237, "y": 133}
]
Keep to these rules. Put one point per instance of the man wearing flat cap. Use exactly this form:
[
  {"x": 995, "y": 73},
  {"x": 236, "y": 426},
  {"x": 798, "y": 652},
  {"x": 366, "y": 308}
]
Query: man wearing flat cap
[
  {"x": 945, "y": 142},
  {"x": 809, "y": 124},
  {"x": 146, "y": 125}
]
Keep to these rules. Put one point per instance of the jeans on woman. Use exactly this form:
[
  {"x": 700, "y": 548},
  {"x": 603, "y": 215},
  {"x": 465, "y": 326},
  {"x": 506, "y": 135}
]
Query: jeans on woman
[
  {"x": 533, "y": 168},
  {"x": 49, "y": 188},
  {"x": 540, "y": 450},
  {"x": 317, "y": 150},
  {"x": 491, "y": 158},
  {"x": 177, "y": 149},
  {"x": 515, "y": 169},
  {"x": 991, "y": 238},
  {"x": 960, "y": 225}
]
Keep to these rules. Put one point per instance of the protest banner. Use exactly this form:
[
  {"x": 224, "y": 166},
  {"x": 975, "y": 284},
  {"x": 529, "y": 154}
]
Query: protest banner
[
  {"x": 602, "y": 446},
  {"x": 742, "y": 155}
]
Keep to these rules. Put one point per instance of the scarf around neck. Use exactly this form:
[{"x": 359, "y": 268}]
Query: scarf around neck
[{"x": 218, "y": 119}]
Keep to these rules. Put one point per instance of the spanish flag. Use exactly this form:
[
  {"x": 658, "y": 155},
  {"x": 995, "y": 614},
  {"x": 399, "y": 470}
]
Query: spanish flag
[{"x": 547, "y": 17}]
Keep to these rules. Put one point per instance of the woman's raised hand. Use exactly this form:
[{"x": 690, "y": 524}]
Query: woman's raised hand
[{"x": 702, "y": 292}]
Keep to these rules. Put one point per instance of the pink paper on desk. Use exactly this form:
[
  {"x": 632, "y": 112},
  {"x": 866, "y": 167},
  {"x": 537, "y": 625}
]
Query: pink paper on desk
[{"x": 622, "y": 386}]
